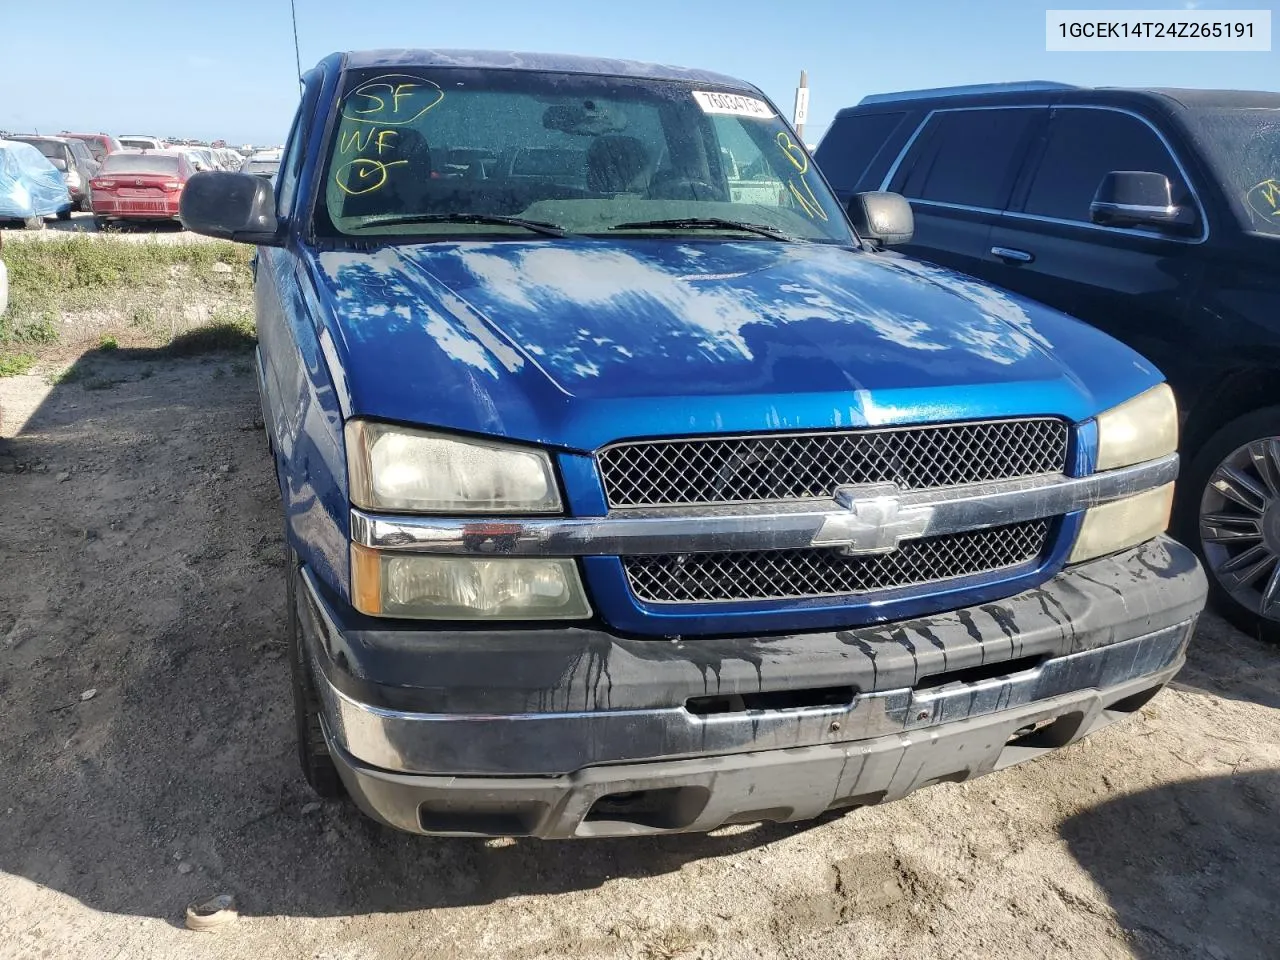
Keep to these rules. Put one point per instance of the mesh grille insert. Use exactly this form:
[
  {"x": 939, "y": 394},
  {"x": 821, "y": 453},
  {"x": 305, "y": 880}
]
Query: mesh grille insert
[
  {"x": 796, "y": 574},
  {"x": 811, "y": 466}
]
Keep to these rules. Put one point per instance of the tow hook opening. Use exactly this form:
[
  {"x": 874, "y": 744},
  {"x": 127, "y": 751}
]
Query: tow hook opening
[
  {"x": 1047, "y": 733},
  {"x": 665, "y": 808},
  {"x": 990, "y": 671},
  {"x": 841, "y": 696}
]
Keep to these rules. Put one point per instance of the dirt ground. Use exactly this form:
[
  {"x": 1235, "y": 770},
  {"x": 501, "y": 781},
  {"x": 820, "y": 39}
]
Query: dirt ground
[
  {"x": 13, "y": 231},
  {"x": 140, "y": 558}
]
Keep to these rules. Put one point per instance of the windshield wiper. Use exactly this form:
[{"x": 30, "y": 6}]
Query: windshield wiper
[
  {"x": 692, "y": 223},
  {"x": 536, "y": 226}
]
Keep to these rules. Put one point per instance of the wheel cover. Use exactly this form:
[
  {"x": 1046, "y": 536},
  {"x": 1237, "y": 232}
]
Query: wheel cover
[{"x": 1240, "y": 526}]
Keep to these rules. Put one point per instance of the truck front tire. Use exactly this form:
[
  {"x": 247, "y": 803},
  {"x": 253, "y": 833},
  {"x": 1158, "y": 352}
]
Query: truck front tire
[{"x": 313, "y": 752}]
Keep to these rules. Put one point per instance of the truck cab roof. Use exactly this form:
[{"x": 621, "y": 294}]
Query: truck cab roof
[{"x": 546, "y": 62}]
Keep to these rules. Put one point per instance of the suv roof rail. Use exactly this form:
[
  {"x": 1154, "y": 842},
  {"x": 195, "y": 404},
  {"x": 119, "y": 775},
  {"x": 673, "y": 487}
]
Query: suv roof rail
[{"x": 1022, "y": 86}]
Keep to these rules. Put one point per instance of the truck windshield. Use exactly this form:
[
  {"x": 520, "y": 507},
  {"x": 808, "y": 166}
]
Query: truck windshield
[
  {"x": 469, "y": 152},
  {"x": 1244, "y": 147}
]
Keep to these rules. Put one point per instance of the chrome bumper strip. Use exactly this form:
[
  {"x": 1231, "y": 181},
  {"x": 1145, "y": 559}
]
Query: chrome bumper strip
[
  {"x": 868, "y": 520},
  {"x": 550, "y": 744}
]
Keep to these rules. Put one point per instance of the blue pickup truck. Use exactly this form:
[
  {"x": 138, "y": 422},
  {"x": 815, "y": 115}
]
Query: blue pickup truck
[{"x": 623, "y": 495}]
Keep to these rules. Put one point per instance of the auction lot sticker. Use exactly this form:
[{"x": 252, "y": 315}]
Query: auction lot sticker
[
  {"x": 1138, "y": 31},
  {"x": 733, "y": 103}
]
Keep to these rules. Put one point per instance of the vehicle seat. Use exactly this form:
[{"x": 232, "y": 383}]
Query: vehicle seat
[
  {"x": 411, "y": 146},
  {"x": 617, "y": 164}
]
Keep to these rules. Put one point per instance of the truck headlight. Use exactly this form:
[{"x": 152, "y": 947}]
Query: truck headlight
[
  {"x": 399, "y": 468},
  {"x": 427, "y": 587},
  {"x": 1143, "y": 428},
  {"x": 1123, "y": 523}
]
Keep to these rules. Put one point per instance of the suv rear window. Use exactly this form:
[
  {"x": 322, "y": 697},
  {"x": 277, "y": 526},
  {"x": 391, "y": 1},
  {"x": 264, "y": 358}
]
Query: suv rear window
[
  {"x": 847, "y": 149},
  {"x": 969, "y": 156},
  {"x": 50, "y": 148},
  {"x": 1084, "y": 145}
]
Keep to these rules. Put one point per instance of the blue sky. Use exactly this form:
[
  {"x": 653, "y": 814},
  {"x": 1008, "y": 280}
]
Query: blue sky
[{"x": 225, "y": 68}]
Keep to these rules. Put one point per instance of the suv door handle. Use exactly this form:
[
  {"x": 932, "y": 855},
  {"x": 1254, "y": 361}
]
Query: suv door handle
[{"x": 1010, "y": 254}]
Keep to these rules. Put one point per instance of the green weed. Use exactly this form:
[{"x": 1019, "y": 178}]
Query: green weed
[{"x": 16, "y": 364}]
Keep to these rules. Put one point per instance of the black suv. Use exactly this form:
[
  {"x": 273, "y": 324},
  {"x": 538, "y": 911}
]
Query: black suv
[{"x": 1151, "y": 214}]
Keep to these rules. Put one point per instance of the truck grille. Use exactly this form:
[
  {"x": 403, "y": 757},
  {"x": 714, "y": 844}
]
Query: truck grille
[
  {"x": 796, "y": 574},
  {"x": 717, "y": 470}
]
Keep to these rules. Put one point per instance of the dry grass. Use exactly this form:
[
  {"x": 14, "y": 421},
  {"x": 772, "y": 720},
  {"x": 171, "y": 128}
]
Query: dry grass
[{"x": 83, "y": 292}]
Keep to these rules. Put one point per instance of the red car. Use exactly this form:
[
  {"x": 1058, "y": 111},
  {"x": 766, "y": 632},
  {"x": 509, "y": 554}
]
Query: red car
[
  {"x": 101, "y": 145},
  {"x": 140, "y": 186}
]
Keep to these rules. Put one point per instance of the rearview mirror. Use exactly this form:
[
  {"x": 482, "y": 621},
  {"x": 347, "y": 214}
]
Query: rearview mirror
[
  {"x": 883, "y": 218},
  {"x": 59, "y": 163},
  {"x": 585, "y": 119},
  {"x": 1136, "y": 198},
  {"x": 230, "y": 206}
]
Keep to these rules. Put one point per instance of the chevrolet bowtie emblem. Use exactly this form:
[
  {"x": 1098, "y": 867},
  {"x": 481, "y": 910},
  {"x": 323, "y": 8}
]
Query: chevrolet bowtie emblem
[{"x": 875, "y": 520}]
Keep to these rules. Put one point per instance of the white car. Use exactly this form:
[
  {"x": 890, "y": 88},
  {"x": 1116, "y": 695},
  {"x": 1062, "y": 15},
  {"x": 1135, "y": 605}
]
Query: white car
[
  {"x": 263, "y": 163},
  {"x": 136, "y": 142}
]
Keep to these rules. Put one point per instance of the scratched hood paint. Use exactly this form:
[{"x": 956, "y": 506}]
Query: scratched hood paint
[{"x": 575, "y": 342}]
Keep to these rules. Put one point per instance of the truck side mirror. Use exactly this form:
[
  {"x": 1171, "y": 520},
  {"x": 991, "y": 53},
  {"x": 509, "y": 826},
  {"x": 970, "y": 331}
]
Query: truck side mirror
[
  {"x": 1138, "y": 198},
  {"x": 883, "y": 218},
  {"x": 231, "y": 206}
]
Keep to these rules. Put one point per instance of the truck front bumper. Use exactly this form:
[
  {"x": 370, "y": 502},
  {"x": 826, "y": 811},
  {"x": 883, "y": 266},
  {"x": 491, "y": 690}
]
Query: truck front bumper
[{"x": 576, "y": 732}]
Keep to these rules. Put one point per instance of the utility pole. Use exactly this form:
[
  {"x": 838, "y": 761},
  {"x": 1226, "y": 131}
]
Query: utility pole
[{"x": 802, "y": 105}]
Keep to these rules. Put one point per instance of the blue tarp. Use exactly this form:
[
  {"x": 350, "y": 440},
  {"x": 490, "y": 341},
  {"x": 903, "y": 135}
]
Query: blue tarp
[{"x": 30, "y": 186}]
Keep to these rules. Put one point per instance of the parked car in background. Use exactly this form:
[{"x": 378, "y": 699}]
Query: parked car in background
[
  {"x": 31, "y": 188},
  {"x": 208, "y": 158},
  {"x": 136, "y": 142},
  {"x": 197, "y": 159},
  {"x": 615, "y": 505},
  {"x": 263, "y": 163},
  {"x": 73, "y": 159},
  {"x": 140, "y": 186},
  {"x": 231, "y": 158},
  {"x": 99, "y": 144},
  {"x": 1153, "y": 215}
]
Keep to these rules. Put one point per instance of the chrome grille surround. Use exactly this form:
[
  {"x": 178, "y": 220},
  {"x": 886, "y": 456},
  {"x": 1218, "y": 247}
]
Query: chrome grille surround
[
  {"x": 824, "y": 573},
  {"x": 809, "y": 466}
]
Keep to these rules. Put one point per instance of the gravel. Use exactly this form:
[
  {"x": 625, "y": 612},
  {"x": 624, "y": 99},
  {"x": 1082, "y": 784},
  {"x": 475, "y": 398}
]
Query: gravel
[{"x": 1157, "y": 838}]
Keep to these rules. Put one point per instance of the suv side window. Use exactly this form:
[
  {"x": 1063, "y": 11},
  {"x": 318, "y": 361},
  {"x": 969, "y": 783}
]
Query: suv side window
[
  {"x": 852, "y": 143},
  {"x": 80, "y": 151},
  {"x": 1084, "y": 145},
  {"x": 970, "y": 157}
]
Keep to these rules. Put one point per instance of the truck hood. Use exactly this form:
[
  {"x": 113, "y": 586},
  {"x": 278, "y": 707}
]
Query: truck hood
[{"x": 580, "y": 341}]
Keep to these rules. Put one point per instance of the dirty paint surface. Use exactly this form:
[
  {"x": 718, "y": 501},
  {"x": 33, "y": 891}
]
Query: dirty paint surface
[
  {"x": 551, "y": 62},
  {"x": 1128, "y": 595},
  {"x": 556, "y": 341}
]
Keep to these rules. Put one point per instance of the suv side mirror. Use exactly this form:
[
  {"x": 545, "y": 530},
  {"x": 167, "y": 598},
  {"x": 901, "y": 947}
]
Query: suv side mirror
[
  {"x": 883, "y": 218},
  {"x": 231, "y": 206},
  {"x": 1135, "y": 198}
]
